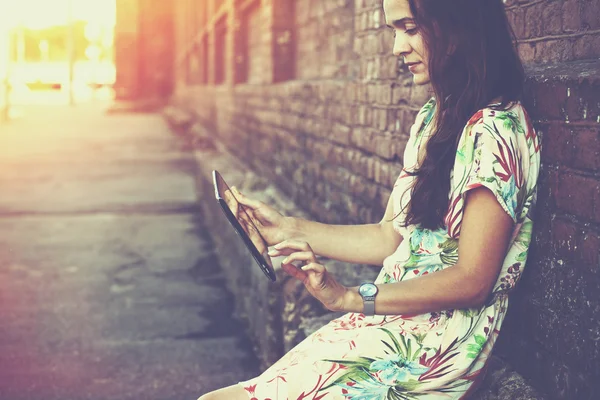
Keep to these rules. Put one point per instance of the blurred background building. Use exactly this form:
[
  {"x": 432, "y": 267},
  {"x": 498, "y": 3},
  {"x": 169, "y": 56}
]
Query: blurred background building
[
  {"x": 55, "y": 46},
  {"x": 144, "y": 49}
]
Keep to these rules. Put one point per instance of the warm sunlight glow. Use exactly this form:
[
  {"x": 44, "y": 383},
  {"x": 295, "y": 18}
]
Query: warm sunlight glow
[
  {"x": 65, "y": 46},
  {"x": 37, "y": 14}
]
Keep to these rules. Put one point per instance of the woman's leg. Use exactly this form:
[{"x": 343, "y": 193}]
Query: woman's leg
[{"x": 234, "y": 392}]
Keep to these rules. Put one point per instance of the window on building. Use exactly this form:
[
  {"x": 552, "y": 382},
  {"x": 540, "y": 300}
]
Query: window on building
[
  {"x": 284, "y": 40},
  {"x": 204, "y": 54},
  {"x": 220, "y": 50},
  {"x": 248, "y": 44}
]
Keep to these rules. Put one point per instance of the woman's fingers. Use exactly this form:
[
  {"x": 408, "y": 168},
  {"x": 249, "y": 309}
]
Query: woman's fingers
[
  {"x": 277, "y": 253},
  {"x": 294, "y": 272},
  {"x": 293, "y": 244},
  {"x": 231, "y": 202},
  {"x": 314, "y": 267},
  {"x": 304, "y": 256},
  {"x": 311, "y": 274},
  {"x": 281, "y": 252},
  {"x": 246, "y": 201}
]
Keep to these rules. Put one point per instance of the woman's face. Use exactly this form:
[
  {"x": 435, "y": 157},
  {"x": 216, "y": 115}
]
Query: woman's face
[{"x": 408, "y": 41}]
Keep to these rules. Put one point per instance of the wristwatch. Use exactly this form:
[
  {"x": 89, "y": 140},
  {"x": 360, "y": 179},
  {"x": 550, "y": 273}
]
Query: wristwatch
[{"x": 368, "y": 291}]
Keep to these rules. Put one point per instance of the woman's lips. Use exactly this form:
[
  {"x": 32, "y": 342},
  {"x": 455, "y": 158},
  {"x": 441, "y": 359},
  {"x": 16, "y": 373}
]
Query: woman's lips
[{"x": 413, "y": 67}]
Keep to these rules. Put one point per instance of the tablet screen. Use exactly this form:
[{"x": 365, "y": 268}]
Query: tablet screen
[{"x": 243, "y": 225}]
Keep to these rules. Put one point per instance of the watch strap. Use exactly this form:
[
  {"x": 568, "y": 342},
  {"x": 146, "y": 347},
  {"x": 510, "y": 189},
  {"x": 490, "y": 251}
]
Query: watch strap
[{"x": 369, "y": 307}]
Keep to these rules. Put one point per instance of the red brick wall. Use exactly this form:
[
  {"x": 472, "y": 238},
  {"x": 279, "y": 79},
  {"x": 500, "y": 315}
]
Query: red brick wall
[
  {"x": 324, "y": 37},
  {"x": 556, "y": 30},
  {"x": 332, "y": 138},
  {"x": 554, "y": 320},
  {"x": 257, "y": 68}
]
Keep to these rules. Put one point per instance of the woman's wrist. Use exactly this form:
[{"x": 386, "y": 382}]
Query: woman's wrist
[
  {"x": 352, "y": 301},
  {"x": 291, "y": 228}
]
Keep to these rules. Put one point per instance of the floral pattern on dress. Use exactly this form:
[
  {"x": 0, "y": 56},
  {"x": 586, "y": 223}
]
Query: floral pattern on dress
[{"x": 434, "y": 355}]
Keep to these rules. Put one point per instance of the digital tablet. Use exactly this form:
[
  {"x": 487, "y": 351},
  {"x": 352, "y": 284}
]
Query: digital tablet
[{"x": 243, "y": 225}]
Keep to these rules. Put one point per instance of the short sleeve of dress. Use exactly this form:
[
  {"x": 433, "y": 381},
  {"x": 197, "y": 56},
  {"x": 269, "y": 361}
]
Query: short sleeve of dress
[{"x": 488, "y": 155}]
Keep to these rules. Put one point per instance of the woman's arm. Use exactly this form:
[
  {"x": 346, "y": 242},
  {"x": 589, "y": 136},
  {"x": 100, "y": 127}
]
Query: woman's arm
[
  {"x": 362, "y": 244},
  {"x": 485, "y": 234}
]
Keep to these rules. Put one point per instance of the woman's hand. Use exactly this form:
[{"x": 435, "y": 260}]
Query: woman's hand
[
  {"x": 271, "y": 225},
  {"x": 313, "y": 275}
]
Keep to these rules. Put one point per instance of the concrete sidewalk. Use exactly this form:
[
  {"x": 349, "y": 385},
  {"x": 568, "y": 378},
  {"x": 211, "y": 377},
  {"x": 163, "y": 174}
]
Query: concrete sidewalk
[{"x": 109, "y": 288}]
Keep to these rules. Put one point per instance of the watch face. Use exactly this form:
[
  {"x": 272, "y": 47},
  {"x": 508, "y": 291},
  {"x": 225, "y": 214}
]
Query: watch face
[{"x": 368, "y": 289}]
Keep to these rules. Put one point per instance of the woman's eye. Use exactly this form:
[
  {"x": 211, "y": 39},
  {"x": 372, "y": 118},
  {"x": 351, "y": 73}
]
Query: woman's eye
[{"x": 411, "y": 31}]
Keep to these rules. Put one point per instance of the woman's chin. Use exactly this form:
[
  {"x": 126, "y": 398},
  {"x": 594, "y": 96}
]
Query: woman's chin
[{"x": 421, "y": 79}]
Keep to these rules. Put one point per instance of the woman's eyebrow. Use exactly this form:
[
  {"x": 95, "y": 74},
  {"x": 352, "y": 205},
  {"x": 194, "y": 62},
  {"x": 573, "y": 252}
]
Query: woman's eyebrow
[{"x": 400, "y": 23}]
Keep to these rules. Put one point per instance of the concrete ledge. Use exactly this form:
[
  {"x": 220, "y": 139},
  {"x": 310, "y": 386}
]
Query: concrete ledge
[{"x": 272, "y": 312}]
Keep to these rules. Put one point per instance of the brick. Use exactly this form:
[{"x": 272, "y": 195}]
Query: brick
[
  {"x": 552, "y": 18},
  {"x": 372, "y": 91},
  {"x": 587, "y": 149},
  {"x": 365, "y": 115},
  {"x": 362, "y": 93},
  {"x": 321, "y": 149},
  {"x": 380, "y": 118},
  {"x": 564, "y": 238},
  {"x": 362, "y": 188},
  {"x": 400, "y": 94},
  {"x": 587, "y": 47},
  {"x": 571, "y": 21},
  {"x": 340, "y": 134},
  {"x": 576, "y": 104},
  {"x": 377, "y": 19},
  {"x": 557, "y": 145},
  {"x": 385, "y": 147},
  {"x": 389, "y": 67},
  {"x": 576, "y": 194},
  {"x": 551, "y": 99},
  {"x": 384, "y": 94},
  {"x": 385, "y": 42},
  {"x": 517, "y": 20},
  {"x": 590, "y": 250},
  {"x": 527, "y": 52},
  {"x": 533, "y": 22},
  {"x": 553, "y": 51},
  {"x": 596, "y": 201},
  {"x": 590, "y": 94},
  {"x": 361, "y": 136},
  {"x": 379, "y": 172},
  {"x": 590, "y": 14},
  {"x": 337, "y": 155}
]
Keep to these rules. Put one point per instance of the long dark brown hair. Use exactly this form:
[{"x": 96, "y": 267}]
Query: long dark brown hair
[{"x": 472, "y": 61}]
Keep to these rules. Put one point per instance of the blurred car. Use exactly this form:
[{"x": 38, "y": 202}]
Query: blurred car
[{"x": 55, "y": 75}]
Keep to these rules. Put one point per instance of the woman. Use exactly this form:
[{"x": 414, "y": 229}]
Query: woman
[{"x": 453, "y": 240}]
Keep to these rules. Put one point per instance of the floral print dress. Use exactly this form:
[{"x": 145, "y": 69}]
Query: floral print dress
[{"x": 438, "y": 355}]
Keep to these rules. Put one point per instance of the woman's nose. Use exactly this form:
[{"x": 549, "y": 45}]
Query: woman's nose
[{"x": 401, "y": 46}]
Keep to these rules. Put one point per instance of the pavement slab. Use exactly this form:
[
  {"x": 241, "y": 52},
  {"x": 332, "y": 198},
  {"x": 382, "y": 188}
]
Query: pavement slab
[{"x": 109, "y": 287}]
